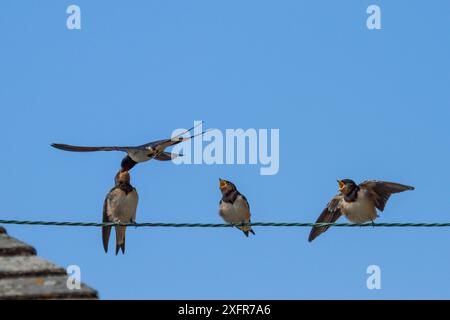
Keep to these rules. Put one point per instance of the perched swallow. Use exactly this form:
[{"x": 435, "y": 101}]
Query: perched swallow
[
  {"x": 234, "y": 207},
  {"x": 137, "y": 154},
  {"x": 357, "y": 202},
  {"x": 119, "y": 206}
]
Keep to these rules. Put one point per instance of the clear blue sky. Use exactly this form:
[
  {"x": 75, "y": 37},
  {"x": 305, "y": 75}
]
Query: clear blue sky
[{"x": 349, "y": 103}]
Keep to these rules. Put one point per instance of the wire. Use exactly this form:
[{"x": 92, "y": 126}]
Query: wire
[{"x": 222, "y": 225}]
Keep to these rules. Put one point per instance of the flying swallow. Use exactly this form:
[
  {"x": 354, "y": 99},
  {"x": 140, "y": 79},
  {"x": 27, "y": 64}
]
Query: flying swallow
[
  {"x": 119, "y": 206},
  {"x": 357, "y": 202},
  {"x": 234, "y": 207},
  {"x": 138, "y": 154}
]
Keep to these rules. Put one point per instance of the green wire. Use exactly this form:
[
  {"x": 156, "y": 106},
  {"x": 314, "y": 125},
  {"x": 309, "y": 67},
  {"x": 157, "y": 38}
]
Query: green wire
[{"x": 222, "y": 225}]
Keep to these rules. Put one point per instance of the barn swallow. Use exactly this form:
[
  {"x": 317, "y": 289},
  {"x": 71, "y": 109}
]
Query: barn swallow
[
  {"x": 137, "y": 154},
  {"x": 119, "y": 206},
  {"x": 357, "y": 202},
  {"x": 234, "y": 207}
]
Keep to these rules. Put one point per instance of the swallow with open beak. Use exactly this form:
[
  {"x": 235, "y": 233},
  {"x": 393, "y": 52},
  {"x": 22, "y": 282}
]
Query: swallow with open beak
[
  {"x": 120, "y": 206},
  {"x": 359, "y": 203},
  {"x": 138, "y": 154},
  {"x": 234, "y": 207}
]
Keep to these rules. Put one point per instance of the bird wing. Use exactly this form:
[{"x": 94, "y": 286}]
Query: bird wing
[
  {"x": 380, "y": 191},
  {"x": 106, "y": 230},
  {"x": 159, "y": 145},
  {"x": 247, "y": 206},
  {"x": 330, "y": 214},
  {"x": 220, "y": 209},
  {"x": 135, "y": 205},
  {"x": 67, "y": 147}
]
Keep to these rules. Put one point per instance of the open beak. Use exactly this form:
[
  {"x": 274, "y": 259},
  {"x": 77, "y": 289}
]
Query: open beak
[
  {"x": 222, "y": 184},
  {"x": 341, "y": 185}
]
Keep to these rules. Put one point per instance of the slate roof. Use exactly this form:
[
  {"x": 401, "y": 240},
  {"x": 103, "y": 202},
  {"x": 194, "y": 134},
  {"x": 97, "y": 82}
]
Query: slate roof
[{"x": 24, "y": 275}]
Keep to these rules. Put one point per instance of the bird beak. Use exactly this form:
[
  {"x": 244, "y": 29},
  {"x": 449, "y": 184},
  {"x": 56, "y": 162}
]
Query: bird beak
[
  {"x": 341, "y": 185},
  {"x": 222, "y": 184}
]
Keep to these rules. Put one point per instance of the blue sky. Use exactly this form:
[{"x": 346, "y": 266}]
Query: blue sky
[{"x": 349, "y": 103}]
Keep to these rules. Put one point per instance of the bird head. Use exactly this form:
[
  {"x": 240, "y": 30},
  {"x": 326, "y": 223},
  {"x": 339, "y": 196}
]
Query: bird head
[
  {"x": 226, "y": 186},
  {"x": 122, "y": 177},
  {"x": 346, "y": 185}
]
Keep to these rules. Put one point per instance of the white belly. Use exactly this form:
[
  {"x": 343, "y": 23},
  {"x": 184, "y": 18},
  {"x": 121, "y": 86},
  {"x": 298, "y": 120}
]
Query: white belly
[
  {"x": 123, "y": 208},
  {"x": 360, "y": 211},
  {"x": 235, "y": 212},
  {"x": 140, "y": 155}
]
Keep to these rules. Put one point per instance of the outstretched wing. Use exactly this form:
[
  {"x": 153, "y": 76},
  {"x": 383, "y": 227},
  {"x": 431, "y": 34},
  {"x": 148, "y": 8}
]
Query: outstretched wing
[
  {"x": 330, "y": 214},
  {"x": 380, "y": 191},
  {"x": 67, "y": 147}
]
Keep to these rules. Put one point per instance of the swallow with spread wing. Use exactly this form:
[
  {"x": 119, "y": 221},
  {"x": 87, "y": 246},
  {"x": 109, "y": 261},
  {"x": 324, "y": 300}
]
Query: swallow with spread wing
[
  {"x": 120, "y": 206},
  {"x": 137, "y": 154},
  {"x": 234, "y": 207},
  {"x": 359, "y": 203}
]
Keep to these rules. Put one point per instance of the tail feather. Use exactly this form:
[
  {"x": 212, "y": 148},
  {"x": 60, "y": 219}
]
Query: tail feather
[
  {"x": 106, "y": 232},
  {"x": 247, "y": 230},
  {"x": 120, "y": 239},
  {"x": 189, "y": 130},
  {"x": 196, "y": 135},
  {"x": 177, "y": 139},
  {"x": 122, "y": 247}
]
